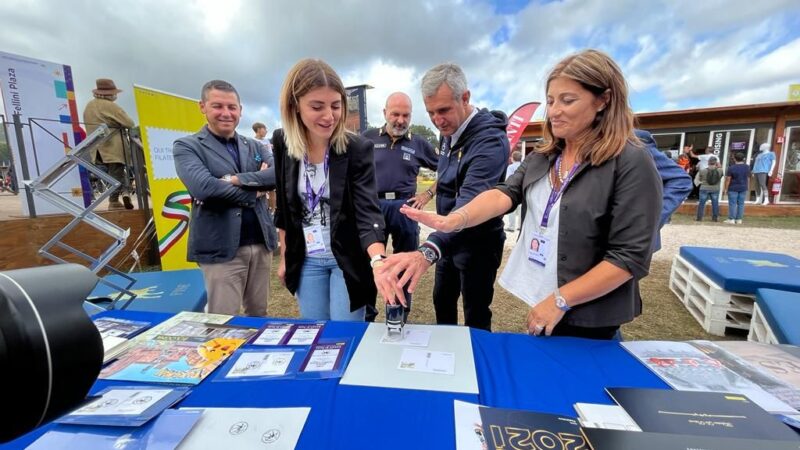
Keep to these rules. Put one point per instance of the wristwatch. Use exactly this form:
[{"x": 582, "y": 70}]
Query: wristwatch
[
  {"x": 429, "y": 254},
  {"x": 561, "y": 303},
  {"x": 227, "y": 177},
  {"x": 375, "y": 259}
]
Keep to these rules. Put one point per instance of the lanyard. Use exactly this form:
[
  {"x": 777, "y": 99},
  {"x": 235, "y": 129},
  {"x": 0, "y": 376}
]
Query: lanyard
[
  {"x": 315, "y": 198},
  {"x": 556, "y": 194}
]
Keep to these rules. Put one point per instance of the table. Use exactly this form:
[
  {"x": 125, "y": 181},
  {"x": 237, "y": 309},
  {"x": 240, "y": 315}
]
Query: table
[
  {"x": 513, "y": 370},
  {"x": 171, "y": 291}
]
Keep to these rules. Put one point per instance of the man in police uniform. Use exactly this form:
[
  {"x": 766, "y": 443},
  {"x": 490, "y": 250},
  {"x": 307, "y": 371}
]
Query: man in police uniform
[{"x": 398, "y": 157}]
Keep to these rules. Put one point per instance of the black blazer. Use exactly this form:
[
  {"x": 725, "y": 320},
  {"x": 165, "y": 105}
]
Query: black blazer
[
  {"x": 356, "y": 219},
  {"x": 607, "y": 213}
]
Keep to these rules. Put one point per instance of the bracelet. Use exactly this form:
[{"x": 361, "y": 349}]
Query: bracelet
[
  {"x": 376, "y": 259},
  {"x": 429, "y": 192},
  {"x": 463, "y": 214}
]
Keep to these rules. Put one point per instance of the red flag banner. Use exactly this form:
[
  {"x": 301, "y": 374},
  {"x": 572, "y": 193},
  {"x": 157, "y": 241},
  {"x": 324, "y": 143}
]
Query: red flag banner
[{"x": 517, "y": 122}]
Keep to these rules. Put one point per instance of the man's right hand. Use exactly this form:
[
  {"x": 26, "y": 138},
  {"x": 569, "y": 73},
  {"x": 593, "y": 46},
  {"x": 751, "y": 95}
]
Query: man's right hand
[{"x": 412, "y": 265}]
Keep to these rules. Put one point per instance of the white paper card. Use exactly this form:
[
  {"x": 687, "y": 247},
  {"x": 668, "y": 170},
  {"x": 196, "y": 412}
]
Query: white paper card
[
  {"x": 304, "y": 335},
  {"x": 412, "y": 337},
  {"x": 323, "y": 360},
  {"x": 469, "y": 433},
  {"x": 247, "y": 429},
  {"x": 273, "y": 335},
  {"x": 253, "y": 364},
  {"x": 125, "y": 402},
  {"x": 418, "y": 360}
]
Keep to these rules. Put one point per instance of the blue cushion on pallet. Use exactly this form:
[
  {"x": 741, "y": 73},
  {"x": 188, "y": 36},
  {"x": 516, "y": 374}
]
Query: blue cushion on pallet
[
  {"x": 745, "y": 271},
  {"x": 170, "y": 291},
  {"x": 781, "y": 311}
]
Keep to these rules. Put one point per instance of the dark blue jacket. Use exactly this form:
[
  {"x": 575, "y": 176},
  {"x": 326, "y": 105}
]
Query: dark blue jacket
[
  {"x": 677, "y": 183},
  {"x": 216, "y": 220},
  {"x": 475, "y": 164}
]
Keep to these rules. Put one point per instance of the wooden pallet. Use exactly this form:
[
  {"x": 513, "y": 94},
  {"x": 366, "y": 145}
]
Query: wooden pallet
[
  {"x": 714, "y": 308},
  {"x": 760, "y": 330}
]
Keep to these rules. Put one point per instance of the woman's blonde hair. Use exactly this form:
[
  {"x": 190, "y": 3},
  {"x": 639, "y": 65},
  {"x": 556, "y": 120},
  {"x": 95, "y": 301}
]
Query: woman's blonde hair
[
  {"x": 305, "y": 76},
  {"x": 612, "y": 127}
]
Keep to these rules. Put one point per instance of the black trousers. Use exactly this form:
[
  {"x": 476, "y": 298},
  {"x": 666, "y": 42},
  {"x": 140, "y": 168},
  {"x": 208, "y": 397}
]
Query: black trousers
[
  {"x": 468, "y": 271},
  {"x": 405, "y": 238}
]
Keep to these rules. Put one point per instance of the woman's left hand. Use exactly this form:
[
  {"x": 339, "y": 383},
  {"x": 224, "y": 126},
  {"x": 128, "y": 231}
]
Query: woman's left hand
[
  {"x": 435, "y": 221},
  {"x": 543, "y": 317}
]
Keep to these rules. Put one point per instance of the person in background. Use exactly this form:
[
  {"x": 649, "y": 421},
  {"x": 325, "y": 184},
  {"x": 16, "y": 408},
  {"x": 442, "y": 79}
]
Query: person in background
[
  {"x": 763, "y": 168},
  {"x": 103, "y": 110},
  {"x": 231, "y": 235},
  {"x": 512, "y": 218},
  {"x": 473, "y": 159},
  {"x": 676, "y": 183},
  {"x": 328, "y": 218},
  {"x": 708, "y": 181},
  {"x": 261, "y": 136},
  {"x": 398, "y": 157},
  {"x": 737, "y": 185},
  {"x": 591, "y": 199}
]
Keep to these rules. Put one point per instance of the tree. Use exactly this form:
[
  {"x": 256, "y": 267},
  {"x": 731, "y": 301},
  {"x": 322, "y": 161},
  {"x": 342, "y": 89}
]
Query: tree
[{"x": 426, "y": 133}]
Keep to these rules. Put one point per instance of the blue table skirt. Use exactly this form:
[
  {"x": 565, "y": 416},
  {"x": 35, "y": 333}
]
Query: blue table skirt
[{"x": 514, "y": 371}]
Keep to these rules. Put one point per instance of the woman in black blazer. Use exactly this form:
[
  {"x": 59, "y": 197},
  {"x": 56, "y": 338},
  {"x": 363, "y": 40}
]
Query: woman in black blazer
[{"x": 327, "y": 214}]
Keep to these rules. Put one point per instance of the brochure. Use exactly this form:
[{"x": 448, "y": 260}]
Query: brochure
[
  {"x": 613, "y": 417},
  {"x": 115, "y": 332},
  {"x": 183, "y": 359},
  {"x": 603, "y": 439},
  {"x": 247, "y": 428},
  {"x": 716, "y": 414},
  {"x": 169, "y": 323},
  {"x": 753, "y": 370},
  {"x": 685, "y": 368},
  {"x": 481, "y": 427},
  {"x": 125, "y": 406},
  {"x": 165, "y": 432}
]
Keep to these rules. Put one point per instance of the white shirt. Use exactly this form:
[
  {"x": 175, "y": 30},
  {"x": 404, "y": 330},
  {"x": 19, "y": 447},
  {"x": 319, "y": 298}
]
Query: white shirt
[
  {"x": 703, "y": 163},
  {"x": 529, "y": 281},
  {"x": 463, "y": 127}
]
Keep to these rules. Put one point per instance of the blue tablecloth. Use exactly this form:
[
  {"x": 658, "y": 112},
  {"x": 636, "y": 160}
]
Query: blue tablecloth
[
  {"x": 171, "y": 291},
  {"x": 514, "y": 371},
  {"x": 745, "y": 271}
]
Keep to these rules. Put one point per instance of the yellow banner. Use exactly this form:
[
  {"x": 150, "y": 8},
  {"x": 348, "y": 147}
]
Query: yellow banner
[
  {"x": 794, "y": 92},
  {"x": 163, "y": 118}
]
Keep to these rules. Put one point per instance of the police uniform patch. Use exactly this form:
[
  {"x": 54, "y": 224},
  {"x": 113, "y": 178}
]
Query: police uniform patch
[
  {"x": 380, "y": 145},
  {"x": 408, "y": 149},
  {"x": 406, "y": 156}
]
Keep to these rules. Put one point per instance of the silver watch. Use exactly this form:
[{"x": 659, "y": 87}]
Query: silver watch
[
  {"x": 227, "y": 177},
  {"x": 429, "y": 254},
  {"x": 561, "y": 302}
]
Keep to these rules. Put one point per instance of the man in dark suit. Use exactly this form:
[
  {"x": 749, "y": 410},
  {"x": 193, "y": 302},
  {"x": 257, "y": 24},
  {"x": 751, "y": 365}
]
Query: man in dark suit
[
  {"x": 231, "y": 234},
  {"x": 473, "y": 159}
]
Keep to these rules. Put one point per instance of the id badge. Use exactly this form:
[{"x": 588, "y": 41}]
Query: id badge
[
  {"x": 537, "y": 249},
  {"x": 314, "y": 242}
]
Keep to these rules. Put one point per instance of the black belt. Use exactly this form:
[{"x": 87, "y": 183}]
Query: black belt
[{"x": 395, "y": 195}]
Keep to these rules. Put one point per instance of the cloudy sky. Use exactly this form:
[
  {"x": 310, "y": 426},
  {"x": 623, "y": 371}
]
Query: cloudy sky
[{"x": 675, "y": 54}]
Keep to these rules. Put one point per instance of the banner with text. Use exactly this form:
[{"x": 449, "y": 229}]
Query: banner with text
[
  {"x": 43, "y": 95},
  {"x": 163, "y": 118},
  {"x": 517, "y": 122}
]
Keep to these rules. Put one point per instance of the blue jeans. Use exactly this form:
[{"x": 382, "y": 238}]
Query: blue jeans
[
  {"x": 322, "y": 293},
  {"x": 736, "y": 205},
  {"x": 701, "y": 204}
]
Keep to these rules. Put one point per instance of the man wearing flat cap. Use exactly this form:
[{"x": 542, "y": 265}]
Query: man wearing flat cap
[{"x": 103, "y": 110}]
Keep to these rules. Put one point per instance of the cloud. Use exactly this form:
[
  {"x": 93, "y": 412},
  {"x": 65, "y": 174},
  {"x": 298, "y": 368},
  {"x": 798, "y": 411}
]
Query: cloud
[{"x": 698, "y": 53}]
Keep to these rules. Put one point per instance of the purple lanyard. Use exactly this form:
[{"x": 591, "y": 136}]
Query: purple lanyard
[
  {"x": 314, "y": 199},
  {"x": 556, "y": 194}
]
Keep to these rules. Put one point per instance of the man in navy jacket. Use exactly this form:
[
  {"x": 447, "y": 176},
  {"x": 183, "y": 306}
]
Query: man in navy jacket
[{"x": 473, "y": 156}]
